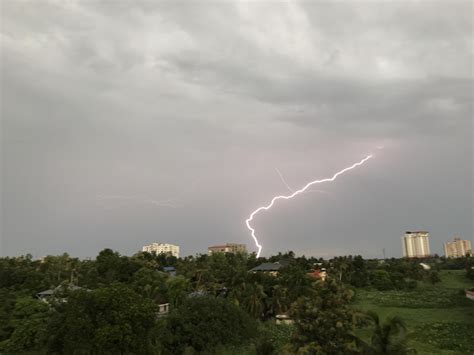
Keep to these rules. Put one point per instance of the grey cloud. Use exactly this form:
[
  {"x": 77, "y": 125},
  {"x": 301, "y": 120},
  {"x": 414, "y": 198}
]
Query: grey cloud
[{"x": 144, "y": 98}]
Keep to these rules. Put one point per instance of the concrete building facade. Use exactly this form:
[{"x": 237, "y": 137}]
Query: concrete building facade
[
  {"x": 227, "y": 248},
  {"x": 457, "y": 248},
  {"x": 416, "y": 244},
  {"x": 162, "y": 248}
]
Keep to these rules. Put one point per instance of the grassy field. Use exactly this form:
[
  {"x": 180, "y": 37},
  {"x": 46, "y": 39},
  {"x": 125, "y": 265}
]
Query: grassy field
[{"x": 439, "y": 317}]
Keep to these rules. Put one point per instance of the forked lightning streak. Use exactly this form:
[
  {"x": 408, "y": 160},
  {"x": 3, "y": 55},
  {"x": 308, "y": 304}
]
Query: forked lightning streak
[{"x": 295, "y": 193}]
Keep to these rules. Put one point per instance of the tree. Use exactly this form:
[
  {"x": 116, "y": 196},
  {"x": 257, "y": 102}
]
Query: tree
[
  {"x": 107, "y": 320},
  {"x": 205, "y": 322},
  {"x": 388, "y": 338},
  {"x": 324, "y": 322},
  {"x": 30, "y": 326},
  {"x": 177, "y": 288},
  {"x": 433, "y": 277},
  {"x": 150, "y": 284},
  {"x": 254, "y": 300},
  {"x": 381, "y": 280}
]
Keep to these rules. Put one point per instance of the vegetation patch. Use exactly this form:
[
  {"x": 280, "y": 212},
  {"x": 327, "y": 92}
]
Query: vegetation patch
[
  {"x": 418, "y": 298},
  {"x": 447, "y": 336},
  {"x": 277, "y": 334}
]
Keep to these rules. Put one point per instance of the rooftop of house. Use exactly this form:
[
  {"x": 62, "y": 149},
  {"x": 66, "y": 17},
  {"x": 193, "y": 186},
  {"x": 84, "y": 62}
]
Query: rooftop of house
[
  {"x": 270, "y": 266},
  {"x": 57, "y": 289}
]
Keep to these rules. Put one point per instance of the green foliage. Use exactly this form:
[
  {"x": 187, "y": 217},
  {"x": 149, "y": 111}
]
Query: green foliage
[
  {"x": 113, "y": 319},
  {"x": 177, "y": 290},
  {"x": 204, "y": 323},
  {"x": 29, "y": 322},
  {"x": 276, "y": 335},
  {"x": 115, "y": 311},
  {"x": 388, "y": 338},
  {"x": 443, "y": 304},
  {"x": 419, "y": 298},
  {"x": 452, "y": 336},
  {"x": 324, "y": 322},
  {"x": 469, "y": 267}
]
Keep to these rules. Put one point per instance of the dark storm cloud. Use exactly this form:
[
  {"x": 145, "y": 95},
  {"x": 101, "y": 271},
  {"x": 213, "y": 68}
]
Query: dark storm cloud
[{"x": 202, "y": 101}]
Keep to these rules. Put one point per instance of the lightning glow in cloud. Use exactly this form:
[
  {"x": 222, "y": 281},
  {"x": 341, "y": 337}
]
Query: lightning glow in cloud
[
  {"x": 295, "y": 193},
  {"x": 157, "y": 203}
]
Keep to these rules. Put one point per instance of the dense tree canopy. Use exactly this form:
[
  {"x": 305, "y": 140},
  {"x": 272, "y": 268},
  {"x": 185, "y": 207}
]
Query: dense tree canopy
[
  {"x": 203, "y": 322},
  {"x": 215, "y": 302}
]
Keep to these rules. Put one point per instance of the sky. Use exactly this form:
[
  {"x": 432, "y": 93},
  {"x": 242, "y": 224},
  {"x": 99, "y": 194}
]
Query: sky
[{"x": 130, "y": 122}]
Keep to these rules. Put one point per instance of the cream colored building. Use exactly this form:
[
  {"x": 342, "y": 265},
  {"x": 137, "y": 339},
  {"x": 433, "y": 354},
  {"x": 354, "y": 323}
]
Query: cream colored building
[
  {"x": 457, "y": 248},
  {"x": 227, "y": 248},
  {"x": 162, "y": 248},
  {"x": 416, "y": 244}
]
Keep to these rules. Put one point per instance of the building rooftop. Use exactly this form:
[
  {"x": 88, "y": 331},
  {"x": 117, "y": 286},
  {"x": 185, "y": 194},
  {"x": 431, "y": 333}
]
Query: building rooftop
[{"x": 270, "y": 266}]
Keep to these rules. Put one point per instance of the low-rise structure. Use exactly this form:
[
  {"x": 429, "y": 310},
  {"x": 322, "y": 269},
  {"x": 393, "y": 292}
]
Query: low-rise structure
[
  {"x": 58, "y": 293},
  {"x": 318, "y": 274},
  {"x": 163, "y": 310},
  {"x": 457, "y": 248},
  {"x": 270, "y": 268},
  {"x": 170, "y": 270},
  {"x": 162, "y": 248},
  {"x": 227, "y": 248},
  {"x": 470, "y": 294}
]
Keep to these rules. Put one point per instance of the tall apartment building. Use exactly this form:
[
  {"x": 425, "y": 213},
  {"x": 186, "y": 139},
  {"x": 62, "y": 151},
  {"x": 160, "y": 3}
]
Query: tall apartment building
[
  {"x": 416, "y": 244},
  {"x": 227, "y": 248},
  {"x": 162, "y": 248},
  {"x": 457, "y": 248}
]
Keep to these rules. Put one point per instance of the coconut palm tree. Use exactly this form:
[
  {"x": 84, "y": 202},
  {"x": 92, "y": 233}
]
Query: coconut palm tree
[
  {"x": 388, "y": 337},
  {"x": 255, "y": 300}
]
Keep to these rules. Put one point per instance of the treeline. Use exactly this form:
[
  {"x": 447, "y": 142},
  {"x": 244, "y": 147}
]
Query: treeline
[{"x": 112, "y": 304}]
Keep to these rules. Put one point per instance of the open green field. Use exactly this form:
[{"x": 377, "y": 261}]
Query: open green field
[{"x": 439, "y": 317}]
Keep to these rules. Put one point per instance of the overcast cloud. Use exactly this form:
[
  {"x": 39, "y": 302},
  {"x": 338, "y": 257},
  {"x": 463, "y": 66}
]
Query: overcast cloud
[{"x": 129, "y": 122}]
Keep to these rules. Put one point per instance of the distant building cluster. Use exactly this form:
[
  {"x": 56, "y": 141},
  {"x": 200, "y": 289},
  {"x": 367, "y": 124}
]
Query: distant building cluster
[
  {"x": 165, "y": 248},
  {"x": 457, "y": 248},
  {"x": 227, "y": 248},
  {"x": 416, "y": 244},
  {"x": 162, "y": 248}
]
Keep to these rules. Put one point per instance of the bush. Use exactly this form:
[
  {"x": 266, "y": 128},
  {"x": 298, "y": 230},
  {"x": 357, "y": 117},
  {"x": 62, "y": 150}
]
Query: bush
[
  {"x": 205, "y": 322},
  {"x": 419, "y": 298},
  {"x": 448, "y": 336}
]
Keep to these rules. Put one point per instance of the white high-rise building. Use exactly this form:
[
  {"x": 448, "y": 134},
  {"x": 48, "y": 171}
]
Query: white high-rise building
[
  {"x": 162, "y": 248},
  {"x": 457, "y": 248},
  {"x": 416, "y": 244}
]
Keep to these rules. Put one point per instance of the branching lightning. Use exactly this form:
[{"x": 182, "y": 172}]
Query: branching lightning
[
  {"x": 171, "y": 202},
  {"x": 295, "y": 193},
  {"x": 289, "y": 187},
  {"x": 141, "y": 199},
  {"x": 283, "y": 180}
]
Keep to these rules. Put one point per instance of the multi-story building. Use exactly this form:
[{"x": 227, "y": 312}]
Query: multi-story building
[
  {"x": 416, "y": 244},
  {"x": 227, "y": 248},
  {"x": 457, "y": 248},
  {"x": 162, "y": 248}
]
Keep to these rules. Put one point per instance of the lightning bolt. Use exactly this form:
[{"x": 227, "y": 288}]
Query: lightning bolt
[
  {"x": 295, "y": 193},
  {"x": 283, "y": 180},
  {"x": 290, "y": 189}
]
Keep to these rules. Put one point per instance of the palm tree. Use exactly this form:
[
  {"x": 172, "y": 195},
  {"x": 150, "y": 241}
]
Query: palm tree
[
  {"x": 387, "y": 338},
  {"x": 255, "y": 299}
]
